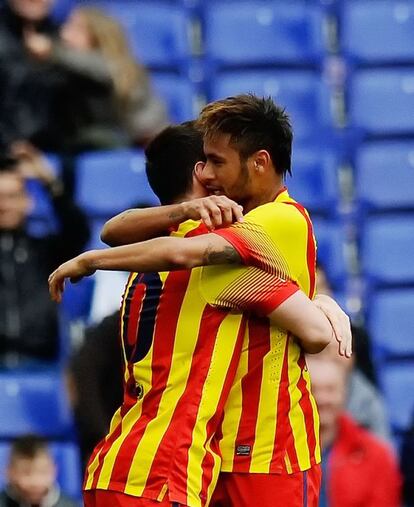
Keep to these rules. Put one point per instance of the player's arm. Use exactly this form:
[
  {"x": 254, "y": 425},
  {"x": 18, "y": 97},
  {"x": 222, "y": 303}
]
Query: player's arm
[
  {"x": 159, "y": 254},
  {"x": 135, "y": 225},
  {"x": 167, "y": 254}
]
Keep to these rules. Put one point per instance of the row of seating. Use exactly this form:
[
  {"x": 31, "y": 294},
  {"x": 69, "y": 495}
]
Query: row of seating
[{"x": 243, "y": 32}]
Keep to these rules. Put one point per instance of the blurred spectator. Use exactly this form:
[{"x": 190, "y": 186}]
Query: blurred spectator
[
  {"x": 358, "y": 468},
  {"x": 105, "y": 99},
  {"x": 28, "y": 318},
  {"x": 95, "y": 382},
  {"x": 407, "y": 465},
  {"x": 31, "y": 476},
  {"x": 364, "y": 402},
  {"x": 26, "y": 84}
]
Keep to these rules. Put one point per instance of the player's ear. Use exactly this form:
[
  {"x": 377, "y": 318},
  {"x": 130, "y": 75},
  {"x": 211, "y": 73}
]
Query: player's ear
[
  {"x": 261, "y": 160},
  {"x": 198, "y": 168}
]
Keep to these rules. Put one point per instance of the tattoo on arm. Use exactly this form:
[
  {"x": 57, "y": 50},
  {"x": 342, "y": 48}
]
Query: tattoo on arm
[
  {"x": 227, "y": 255},
  {"x": 176, "y": 216}
]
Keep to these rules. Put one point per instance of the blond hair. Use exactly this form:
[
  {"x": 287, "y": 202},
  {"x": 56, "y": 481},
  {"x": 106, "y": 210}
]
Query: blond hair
[{"x": 108, "y": 37}]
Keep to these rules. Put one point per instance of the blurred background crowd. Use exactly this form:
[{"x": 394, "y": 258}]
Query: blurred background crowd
[{"x": 83, "y": 87}]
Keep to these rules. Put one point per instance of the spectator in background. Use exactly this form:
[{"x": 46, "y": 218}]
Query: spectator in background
[
  {"x": 28, "y": 319},
  {"x": 358, "y": 468},
  {"x": 364, "y": 402},
  {"x": 105, "y": 99},
  {"x": 31, "y": 476},
  {"x": 26, "y": 84}
]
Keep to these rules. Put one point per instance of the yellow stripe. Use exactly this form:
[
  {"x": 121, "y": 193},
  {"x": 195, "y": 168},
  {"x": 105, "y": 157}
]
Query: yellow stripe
[
  {"x": 296, "y": 417},
  {"x": 233, "y": 410},
  {"x": 225, "y": 344},
  {"x": 267, "y": 413},
  {"x": 185, "y": 342},
  {"x": 318, "y": 456}
]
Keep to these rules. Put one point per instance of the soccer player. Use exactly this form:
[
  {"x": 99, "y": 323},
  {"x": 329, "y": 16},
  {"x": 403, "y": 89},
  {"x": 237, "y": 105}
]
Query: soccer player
[{"x": 135, "y": 256}]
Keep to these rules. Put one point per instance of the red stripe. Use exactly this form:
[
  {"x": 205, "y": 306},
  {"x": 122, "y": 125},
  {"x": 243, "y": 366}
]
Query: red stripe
[
  {"x": 311, "y": 249},
  {"x": 164, "y": 334},
  {"x": 178, "y": 437},
  {"x": 306, "y": 407},
  {"x": 214, "y": 424},
  {"x": 284, "y": 434},
  {"x": 259, "y": 346},
  {"x": 198, "y": 231}
]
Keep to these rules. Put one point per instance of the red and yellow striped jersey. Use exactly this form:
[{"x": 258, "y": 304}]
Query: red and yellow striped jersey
[
  {"x": 270, "y": 421},
  {"x": 180, "y": 356}
]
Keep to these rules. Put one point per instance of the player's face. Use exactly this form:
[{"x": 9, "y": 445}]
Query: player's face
[
  {"x": 224, "y": 172},
  {"x": 75, "y": 32},
  {"x": 14, "y": 201},
  {"x": 32, "y": 10},
  {"x": 32, "y": 478}
]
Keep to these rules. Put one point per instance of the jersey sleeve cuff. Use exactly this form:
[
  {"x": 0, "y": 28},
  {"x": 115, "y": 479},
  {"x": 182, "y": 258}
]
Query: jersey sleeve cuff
[
  {"x": 236, "y": 241},
  {"x": 266, "y": 306}
]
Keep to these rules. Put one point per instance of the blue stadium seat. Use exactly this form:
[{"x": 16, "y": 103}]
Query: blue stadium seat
[
  {"x": 396, "y": 381},
  {"x": 391, "y": 322},
  {"x": 34, "y": 402},
  {"x": 110, "y": 182},
  {"x": 159, "y": 33},
  {"x": 179, "y": 95},
  {"x": 304, "y": 95},
  {"x": 76, "y": 302},
  {"x": 332, "y": 253},
  {"x": 381, "y": 101},
  {"x": 387, "y": 249},
  {"x": 378, "y": 31},
  {"x": 378, "y": 163},
  {"x": 66, "y": 455},
  {"x": 263, "y": 33},
  {"x": 314, "y": 181}
]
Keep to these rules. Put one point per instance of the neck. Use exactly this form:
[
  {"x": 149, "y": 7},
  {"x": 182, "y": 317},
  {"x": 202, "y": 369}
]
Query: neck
[
  {"x": 263, "y": 196},
  {"x": 328, "y": 435}
]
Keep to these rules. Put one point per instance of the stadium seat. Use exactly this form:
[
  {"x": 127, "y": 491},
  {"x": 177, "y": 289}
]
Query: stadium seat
[
  {"x": 263, "y": 33},
  {"x": 159, "y": 33},
  {"x": 378, "y": 163},
  {"x": 391, "y": 322},
  {"x": 33, "y": 402},
  {"x": 178, "y": 94},
  {"x": 387, "y": 249},
  {"x": 66, "y": 455},
  {"x": 381, "y": 101},
  {"x": 304, "y": 95},
  {"x": 362, "y": 22},
  {"x": 332, "y": 253},
  {"x": 314, "y": 181},
  {"x": 110, "y": 182},
  {"x": 396, "y": 381}
]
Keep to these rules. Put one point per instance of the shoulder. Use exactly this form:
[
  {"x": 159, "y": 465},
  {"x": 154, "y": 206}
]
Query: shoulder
[{"x": 288, "y": 211}]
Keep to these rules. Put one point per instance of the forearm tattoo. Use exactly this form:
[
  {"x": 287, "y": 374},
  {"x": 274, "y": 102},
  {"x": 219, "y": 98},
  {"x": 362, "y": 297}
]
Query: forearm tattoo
[{"x": 228, "y": 255}]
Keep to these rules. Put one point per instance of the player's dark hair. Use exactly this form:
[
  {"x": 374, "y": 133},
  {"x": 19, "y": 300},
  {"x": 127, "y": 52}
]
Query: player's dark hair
[
  {"x": 28, "y": 446},
  {"x": 170, "y": 160},
  {"x": 253, "y": 123}
]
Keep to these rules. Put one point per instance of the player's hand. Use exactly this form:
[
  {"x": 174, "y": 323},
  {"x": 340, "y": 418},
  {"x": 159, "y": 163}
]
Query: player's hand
[
  {"x": 75, "y": 270},
  {"x": 214, "y": 211},
  {"x": 339, "y": 320}
]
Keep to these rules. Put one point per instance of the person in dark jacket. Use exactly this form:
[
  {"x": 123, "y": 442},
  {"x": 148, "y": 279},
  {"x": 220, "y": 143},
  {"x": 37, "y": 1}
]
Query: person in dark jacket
[
  {"x": 28, "y": 319},
  {"x": 26, "y": 84},
  {"x": 31, "y": 476}
]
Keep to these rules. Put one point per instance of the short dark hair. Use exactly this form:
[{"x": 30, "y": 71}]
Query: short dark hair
[
  {"x": 170, "y": 160},
  {"x": 8, "y": 164},
  {"x": 28, "y": 446},
  {"x": 253, "y": 123}
]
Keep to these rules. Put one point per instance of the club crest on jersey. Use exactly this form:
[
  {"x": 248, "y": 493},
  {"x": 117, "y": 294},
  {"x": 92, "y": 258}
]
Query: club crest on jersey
[{"x": 243, "y": 450}]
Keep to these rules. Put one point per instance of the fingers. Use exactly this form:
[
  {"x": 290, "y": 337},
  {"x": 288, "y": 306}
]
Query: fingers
[
  {"x": 219, "y": 211},
  {"x": 56, "y": 286}
]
